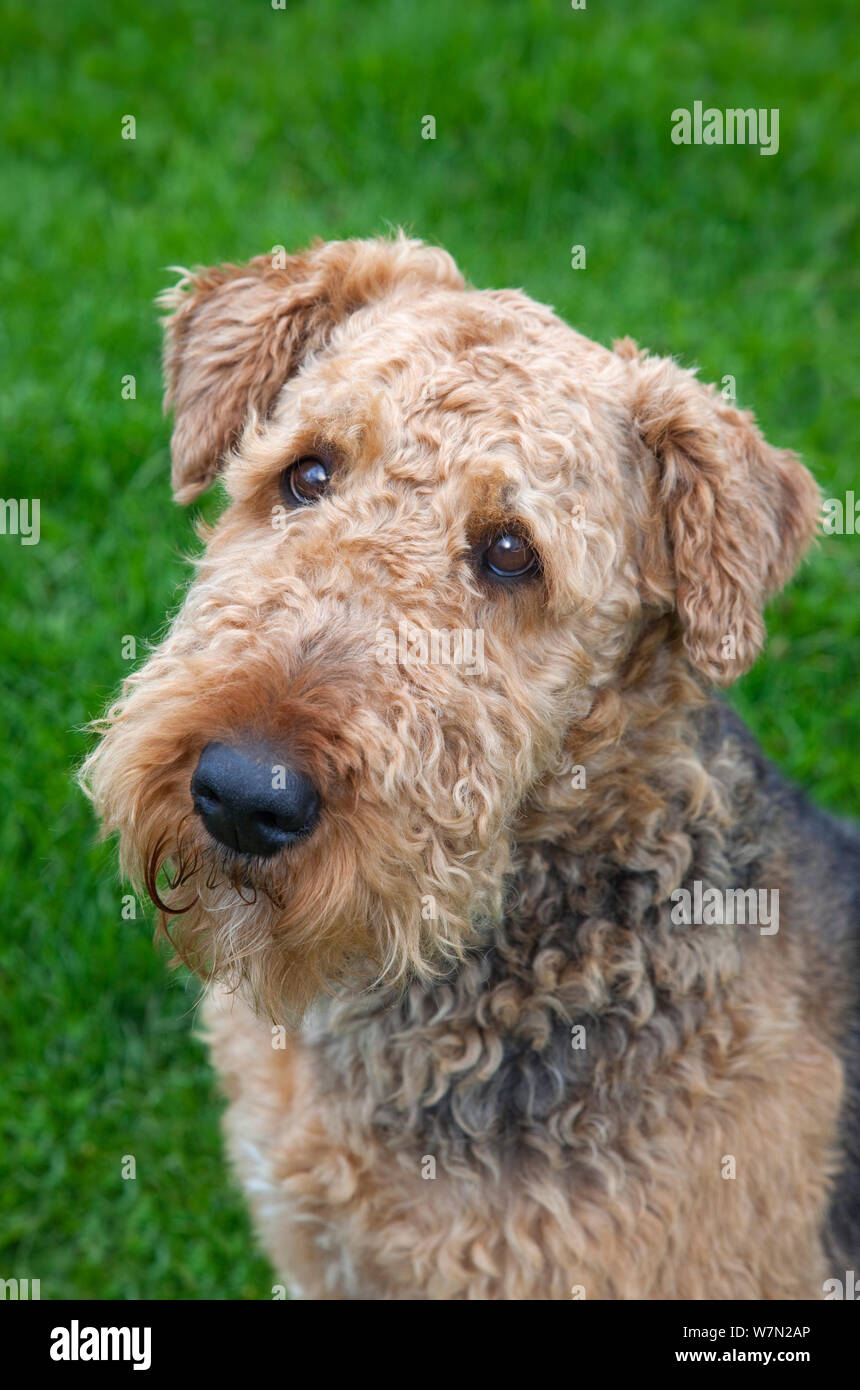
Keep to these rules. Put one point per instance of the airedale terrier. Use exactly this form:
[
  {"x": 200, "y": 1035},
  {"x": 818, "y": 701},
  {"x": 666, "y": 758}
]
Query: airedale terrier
[{"x": 529, "y": 977}]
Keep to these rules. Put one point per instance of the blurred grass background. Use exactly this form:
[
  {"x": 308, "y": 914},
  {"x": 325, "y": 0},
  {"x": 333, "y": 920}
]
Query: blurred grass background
[{"x": 258, "y": 127}]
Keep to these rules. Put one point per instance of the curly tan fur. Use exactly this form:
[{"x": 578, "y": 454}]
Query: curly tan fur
[{"x": 663, "y": 522}]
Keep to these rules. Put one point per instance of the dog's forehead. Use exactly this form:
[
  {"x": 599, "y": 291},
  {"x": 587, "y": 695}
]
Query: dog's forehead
[
  {"x": 467, "y": 376},
  {"x": 505, "y": 343}
]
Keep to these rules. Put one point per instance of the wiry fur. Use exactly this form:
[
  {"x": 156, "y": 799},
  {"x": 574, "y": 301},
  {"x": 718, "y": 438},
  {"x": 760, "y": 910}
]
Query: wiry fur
[{"x": 663, "y": 522}]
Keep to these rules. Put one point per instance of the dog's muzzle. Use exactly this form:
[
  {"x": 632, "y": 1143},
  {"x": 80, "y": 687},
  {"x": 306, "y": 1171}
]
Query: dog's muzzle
[{"x": 251, "y": 801}]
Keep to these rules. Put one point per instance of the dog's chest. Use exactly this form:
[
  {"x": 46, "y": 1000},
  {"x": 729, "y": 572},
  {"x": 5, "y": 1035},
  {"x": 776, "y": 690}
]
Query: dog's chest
[{"x": 536, "y": 1044}]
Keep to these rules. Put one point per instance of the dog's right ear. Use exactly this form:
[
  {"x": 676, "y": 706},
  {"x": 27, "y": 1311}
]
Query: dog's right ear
[
  {"x": 732, "y": 515},
  {"x": 235, "y": 334}
]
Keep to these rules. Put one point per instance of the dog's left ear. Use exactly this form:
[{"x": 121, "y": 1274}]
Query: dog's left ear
[
  {"x": 235, "y": 334},
  {"x": 735, "y": 515}
]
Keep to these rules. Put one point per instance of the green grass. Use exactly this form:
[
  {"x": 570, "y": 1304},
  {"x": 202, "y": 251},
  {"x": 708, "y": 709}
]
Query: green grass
[{"x": 257, "y": 127}]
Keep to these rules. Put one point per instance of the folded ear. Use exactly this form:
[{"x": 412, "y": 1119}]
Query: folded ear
[
  {"x": 735, "y": 513},
  {"x": 236, "y": 333}
]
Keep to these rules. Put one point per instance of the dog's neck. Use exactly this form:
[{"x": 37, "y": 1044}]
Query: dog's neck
[{"x": 635, "y": 774}]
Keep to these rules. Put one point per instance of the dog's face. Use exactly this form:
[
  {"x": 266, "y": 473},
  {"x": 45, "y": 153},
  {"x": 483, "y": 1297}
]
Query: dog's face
[{"x": 454, "y": 527}]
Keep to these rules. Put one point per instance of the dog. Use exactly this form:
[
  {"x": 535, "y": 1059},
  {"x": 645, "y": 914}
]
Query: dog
[{"x": 527, "y": 976}]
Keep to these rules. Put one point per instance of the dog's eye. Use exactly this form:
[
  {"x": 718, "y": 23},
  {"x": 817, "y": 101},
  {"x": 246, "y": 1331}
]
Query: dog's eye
[
  {"x": 307, "y": 480},
  {"x": 509, "y": 556}
]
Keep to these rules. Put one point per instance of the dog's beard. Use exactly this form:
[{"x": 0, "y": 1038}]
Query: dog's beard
[
  {"x": 271, "y": 932},
  {"x": 284, "y": 931}
]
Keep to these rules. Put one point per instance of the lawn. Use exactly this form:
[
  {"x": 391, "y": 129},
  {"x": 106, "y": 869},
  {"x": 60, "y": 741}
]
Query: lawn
[{"x": 257, "y": 127}]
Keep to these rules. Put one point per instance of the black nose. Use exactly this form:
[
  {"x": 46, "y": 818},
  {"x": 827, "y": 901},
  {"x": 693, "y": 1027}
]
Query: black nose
[{"x": 251, "y": 801}]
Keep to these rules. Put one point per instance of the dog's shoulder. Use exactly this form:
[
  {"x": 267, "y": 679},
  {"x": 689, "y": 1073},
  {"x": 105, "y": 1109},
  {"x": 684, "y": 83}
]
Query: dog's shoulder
[{"x": 823, "y": 853}]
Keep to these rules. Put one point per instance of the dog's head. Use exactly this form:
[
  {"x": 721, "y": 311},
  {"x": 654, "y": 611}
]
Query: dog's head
[{"x": 461, "y": 541}]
